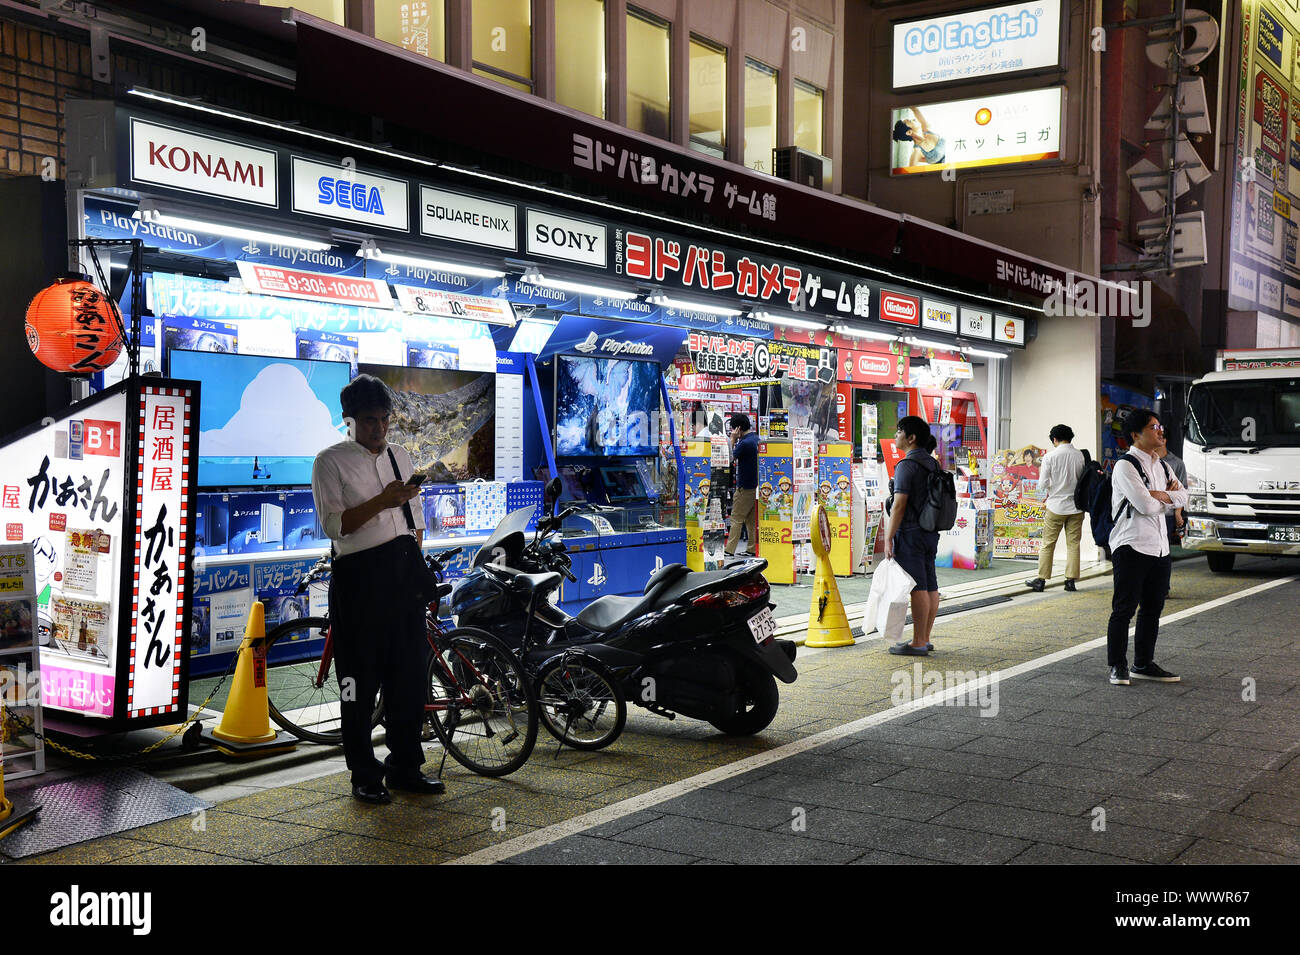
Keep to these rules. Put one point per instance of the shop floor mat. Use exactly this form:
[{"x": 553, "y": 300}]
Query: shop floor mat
[{"x": 88, "y": 807}]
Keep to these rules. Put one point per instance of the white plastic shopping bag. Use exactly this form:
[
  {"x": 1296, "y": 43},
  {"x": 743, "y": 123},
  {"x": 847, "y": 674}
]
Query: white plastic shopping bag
[{"x": 891, "y": 592}]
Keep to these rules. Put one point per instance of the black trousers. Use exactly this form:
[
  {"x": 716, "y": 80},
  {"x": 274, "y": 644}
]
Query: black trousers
[
  {"x": 379, "y": 641},
  {"x": 1141, "y": 583}
]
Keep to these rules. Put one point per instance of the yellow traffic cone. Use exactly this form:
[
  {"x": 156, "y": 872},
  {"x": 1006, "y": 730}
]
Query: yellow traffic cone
[
  {"x": 828, "y": 625},
  {"x": 245, "y": 727},
  {"x": 10, "y": 818}
]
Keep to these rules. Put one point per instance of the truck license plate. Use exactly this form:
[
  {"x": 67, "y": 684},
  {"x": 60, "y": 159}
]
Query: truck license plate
[{"x": 1284, "y": 535}]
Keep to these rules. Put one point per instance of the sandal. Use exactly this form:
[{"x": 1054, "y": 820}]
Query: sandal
[{"x": 905, "y": 649}]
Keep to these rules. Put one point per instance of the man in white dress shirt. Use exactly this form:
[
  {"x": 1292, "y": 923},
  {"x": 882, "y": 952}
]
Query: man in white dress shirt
[
  {"x": 1057, "y": 479},
  {"x": 1142, "y": 493},
  {"x": 363, "y": 500}
]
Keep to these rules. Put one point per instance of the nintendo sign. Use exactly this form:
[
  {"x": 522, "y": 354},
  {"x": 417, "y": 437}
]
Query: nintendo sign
[{"x": 903, "y": 309}]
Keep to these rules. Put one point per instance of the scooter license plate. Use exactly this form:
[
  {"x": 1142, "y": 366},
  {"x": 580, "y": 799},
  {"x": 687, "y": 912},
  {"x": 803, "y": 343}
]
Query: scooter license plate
[{"x": 762, "y": 625}]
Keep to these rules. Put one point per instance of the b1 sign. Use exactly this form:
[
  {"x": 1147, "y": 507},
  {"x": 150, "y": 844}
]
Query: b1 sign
[{"x": 977, "y": 44}]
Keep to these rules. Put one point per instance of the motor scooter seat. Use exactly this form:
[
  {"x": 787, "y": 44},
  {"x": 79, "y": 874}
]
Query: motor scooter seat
[
  {"x": 664, "y": 576},
  {"x": 609, "y": 613},
  {"x": 539, "y": 583}
]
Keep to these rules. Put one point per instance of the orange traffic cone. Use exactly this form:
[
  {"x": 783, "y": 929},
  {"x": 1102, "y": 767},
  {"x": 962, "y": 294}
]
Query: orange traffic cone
[{"x": 245, "y": 728}]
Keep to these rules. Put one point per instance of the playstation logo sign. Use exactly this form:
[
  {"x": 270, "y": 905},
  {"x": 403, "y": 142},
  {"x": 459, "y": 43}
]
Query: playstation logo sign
[
  {"x": 659, "y": 564},
  {"x": 587, "y": 347},
  {"x": 597, "y": 576}
]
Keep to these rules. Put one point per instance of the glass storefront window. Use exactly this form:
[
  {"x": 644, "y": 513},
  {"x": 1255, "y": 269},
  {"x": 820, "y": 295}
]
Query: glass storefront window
[
  {"x": 580, "y": 55},
  {"x": 334, "y": 11},
  {"x": 649, "y": 56},
  {"x": 708, "y": 99},
  {"x": 502, "y": 33},
  {"x": 760, "y": 115},
  {"x": 808, "y": 117},
  {"x": 418, "y": 26}
]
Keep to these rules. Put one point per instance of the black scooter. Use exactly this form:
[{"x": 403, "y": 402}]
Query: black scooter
[{"x": 700, "y": 644}]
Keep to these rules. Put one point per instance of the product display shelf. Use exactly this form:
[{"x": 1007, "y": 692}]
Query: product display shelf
[{"x": 21, "y": 751}]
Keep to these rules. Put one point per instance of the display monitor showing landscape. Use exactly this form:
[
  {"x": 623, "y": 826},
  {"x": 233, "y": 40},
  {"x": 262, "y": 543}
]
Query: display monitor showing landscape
[
  {"x": 606, "y": 406},
  {"x": 445, "y": 419}
]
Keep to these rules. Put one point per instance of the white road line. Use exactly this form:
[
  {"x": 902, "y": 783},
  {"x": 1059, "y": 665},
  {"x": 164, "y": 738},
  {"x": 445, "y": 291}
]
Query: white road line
[{"x": 597, "y": 817}]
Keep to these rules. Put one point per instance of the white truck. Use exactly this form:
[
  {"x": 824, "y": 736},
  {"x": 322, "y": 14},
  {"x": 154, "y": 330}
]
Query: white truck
[{"x": 1242, "y": 451}]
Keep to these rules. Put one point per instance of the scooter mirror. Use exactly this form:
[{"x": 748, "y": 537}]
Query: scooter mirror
[{"x": 552, "y": 495}]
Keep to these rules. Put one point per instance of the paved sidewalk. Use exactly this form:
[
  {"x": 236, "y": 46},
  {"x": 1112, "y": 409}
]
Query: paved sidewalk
[
  {"x": 943, "y": 784},
  {"x": 1069, "y": 770}
]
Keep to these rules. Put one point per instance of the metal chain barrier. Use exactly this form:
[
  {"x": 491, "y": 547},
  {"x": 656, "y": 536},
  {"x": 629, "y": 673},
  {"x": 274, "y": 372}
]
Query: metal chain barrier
[{"x": 78, "y": 754}]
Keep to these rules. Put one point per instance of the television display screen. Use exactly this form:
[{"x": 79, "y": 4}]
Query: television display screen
[
  {"x": 606, "y": 406},
  {"x": 445, "y": 419},
  {"x": 262, "y": 421},
  {"x": 622, "y": 484}
]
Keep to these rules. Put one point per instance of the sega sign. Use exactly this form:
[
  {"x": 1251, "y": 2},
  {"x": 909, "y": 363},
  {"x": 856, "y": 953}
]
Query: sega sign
[
  {"x": 341, "y": 192},
  {"x": 902, "y": 309}
]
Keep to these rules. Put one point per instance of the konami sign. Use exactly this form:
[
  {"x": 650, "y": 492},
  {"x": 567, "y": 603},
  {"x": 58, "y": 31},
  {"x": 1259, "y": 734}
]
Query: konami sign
[
  {"x": 903, "y": 309},
  {"x": 176, "y": 159}
]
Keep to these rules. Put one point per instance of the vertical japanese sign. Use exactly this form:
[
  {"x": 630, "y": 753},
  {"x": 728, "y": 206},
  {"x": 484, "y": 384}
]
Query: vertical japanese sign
[{"x": 161, "y": 539}]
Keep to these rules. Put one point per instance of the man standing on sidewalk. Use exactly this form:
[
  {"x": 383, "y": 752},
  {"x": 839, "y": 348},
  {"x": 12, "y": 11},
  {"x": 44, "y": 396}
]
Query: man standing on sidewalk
[
  {"x": 744, "y": 452},
  {"x": 1143, "y": 492},
  {"x": 1057, "y": 480}
]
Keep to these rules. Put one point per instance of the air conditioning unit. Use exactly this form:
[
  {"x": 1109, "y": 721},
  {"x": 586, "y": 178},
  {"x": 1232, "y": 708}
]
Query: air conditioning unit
[{"x": 799, "y": 165}]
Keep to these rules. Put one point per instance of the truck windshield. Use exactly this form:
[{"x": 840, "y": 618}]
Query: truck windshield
[{"x": 1261, "y": 413}]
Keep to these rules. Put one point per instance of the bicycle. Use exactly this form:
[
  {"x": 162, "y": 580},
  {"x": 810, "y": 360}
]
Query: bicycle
[{"x": 480, "y": 704}]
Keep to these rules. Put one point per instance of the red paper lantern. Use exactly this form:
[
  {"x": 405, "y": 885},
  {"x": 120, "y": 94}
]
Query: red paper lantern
[{"x": 70, "y": 328}]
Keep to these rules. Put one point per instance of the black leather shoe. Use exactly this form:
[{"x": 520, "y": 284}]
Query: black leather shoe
[
  {"x": 1069, "y": 585},
  {"x": 417, "y": 782},
  {"x": 1036, "y": 585},
  {"x": 374, "y": 793}
]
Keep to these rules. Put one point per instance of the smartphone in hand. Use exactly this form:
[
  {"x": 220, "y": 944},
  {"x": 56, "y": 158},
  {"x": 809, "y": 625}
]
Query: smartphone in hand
[{"x": 415, "y": 480}]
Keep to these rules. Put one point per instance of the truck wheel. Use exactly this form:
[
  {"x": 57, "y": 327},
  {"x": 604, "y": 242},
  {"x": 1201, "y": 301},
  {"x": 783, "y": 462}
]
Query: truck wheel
[{"x": 1221, "y": 563}]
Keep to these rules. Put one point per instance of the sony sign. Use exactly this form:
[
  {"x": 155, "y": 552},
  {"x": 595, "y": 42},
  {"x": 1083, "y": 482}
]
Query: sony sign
[
  {"x": 573, "y": 240},
  {"x": 952, "y": 47},
  {"x": 176, "y": 159},
  {"x": 337, "y": 192}
]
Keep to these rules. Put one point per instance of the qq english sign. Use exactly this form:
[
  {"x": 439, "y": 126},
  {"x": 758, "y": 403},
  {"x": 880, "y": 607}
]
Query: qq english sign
[
  {"x": 986, "y": 131},
  {"x": 977, "y": 44}
]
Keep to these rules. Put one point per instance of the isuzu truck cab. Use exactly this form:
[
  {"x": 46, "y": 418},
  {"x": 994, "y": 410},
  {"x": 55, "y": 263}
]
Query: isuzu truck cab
[{"x": 1242, "y": 451}]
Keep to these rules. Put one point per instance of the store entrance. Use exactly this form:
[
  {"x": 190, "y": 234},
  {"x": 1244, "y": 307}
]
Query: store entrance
[{"x": 889, "y": 405}]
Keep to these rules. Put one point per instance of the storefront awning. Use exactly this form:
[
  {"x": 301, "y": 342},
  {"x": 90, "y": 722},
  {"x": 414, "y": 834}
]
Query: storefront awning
[{"x": 354, "y": 72}]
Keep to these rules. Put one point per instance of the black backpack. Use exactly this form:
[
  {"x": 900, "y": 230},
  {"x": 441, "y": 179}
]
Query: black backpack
[
  {"x": 1100, "y": 511},
  {"x": 1089, "y": 479},
  {"x": 936, "y": 510}
]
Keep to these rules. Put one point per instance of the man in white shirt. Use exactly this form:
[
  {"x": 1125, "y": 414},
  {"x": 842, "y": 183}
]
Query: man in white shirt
[
  {"x": 362, "y": 488},
  {"x": 1057, "y": 479},
  {"x": 1141, "y": 496}
]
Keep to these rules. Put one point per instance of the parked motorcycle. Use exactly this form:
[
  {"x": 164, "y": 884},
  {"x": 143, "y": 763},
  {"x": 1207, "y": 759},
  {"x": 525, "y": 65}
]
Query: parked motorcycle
[{"x": 700, "y": 644}]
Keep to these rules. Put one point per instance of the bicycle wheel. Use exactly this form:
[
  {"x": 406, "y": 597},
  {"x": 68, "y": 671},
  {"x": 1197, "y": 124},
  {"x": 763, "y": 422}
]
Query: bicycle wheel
[
  {"x": 579, "y": 703},
  {"x": 480, "y": 702},
  {"x": 303, "y": 696}
]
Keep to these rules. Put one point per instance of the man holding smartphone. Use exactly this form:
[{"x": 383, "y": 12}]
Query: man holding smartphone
[{"x": 363, "y": 488}]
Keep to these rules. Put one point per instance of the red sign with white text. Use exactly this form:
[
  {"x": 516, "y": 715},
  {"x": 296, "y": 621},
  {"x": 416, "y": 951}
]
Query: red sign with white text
[
  {"x": 892, "y": 455},
  {"x": 903, "y": 309},
  {"x": 292, "y": 283},
  {"x": 103, "y": 437}
]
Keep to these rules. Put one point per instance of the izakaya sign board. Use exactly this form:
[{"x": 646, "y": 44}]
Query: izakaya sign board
[
  {"x": 159, "y": 572},
  {"x": 110, "y": 571},
  {"x": 986, "y": 131},
  {"x": 977, "y": 44},
  {"x": 165, "y": 156},
  {"x": 341, "y": 192}
]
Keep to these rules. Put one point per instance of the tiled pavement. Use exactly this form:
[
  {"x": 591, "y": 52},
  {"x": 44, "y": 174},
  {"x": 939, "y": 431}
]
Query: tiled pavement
[{"x": 1185, "y": 773}]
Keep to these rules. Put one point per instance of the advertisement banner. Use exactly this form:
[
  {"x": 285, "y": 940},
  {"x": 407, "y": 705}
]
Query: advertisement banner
[
  {"x": 603, "y": 338},
  {"x": 977, "y": 44},
  {"x": 835, "y": 494},
  {"x": 887, "y": 365},
  {"x": 775, "y": 503},
  {"x": 987, "y": 131},
  {"x": 699, "y": 485},
  {"x": 317, "y": 286},
  {"x": 1018, "y": 513}
]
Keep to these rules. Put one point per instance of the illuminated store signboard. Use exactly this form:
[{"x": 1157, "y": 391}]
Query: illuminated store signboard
[
  {"x": 977, "y": 44},
  {"x": 340, "y": 192},
  {"x": 986, "y": 131}
]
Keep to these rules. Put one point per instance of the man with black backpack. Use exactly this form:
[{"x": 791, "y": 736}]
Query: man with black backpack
[
  {"x": 1057, "y": 479},
  {"x": 1143, "y": 491},
  {"x": 924, "y": 502}
]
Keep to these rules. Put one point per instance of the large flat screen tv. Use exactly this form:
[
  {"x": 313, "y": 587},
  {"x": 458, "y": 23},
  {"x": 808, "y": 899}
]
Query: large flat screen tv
[
  {"x": 606, "y": 406},
  {"x": 262, "y": 421},
  {"x": 445, "y": 419}
]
